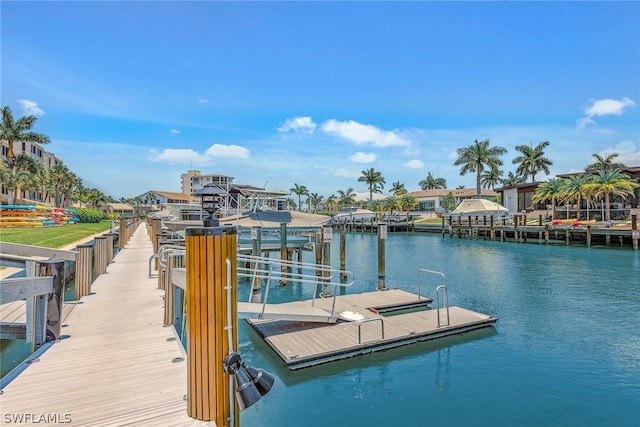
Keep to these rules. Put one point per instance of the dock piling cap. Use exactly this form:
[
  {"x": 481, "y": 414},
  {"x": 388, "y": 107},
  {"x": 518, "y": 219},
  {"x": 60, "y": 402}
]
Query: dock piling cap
[{"x": 211, "y": 231}]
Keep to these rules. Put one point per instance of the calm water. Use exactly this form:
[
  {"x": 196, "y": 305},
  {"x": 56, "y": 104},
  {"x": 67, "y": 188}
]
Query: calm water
[{"x": 565, "y": 352}]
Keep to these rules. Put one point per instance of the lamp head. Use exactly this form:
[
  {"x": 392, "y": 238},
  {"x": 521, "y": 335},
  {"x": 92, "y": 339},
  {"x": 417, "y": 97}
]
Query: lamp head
[{"x": 208, "y": 197}]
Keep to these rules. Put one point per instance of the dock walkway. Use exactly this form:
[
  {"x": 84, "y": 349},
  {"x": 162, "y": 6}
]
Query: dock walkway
[{"x": 116, "y": 365}]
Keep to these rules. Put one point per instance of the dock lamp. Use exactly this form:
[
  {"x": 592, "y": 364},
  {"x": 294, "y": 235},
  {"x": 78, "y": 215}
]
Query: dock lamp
[
  {"x": 209, "y": 197},
  {"x": 250, "y": 384}
]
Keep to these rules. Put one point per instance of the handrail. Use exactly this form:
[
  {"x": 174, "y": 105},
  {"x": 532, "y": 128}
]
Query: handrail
[
  {"x": 371, "y": 319},
  {"x": 422, "y": 270},
  {"x": 445, "y": 302},
  {"x": 283, "y": 270}
]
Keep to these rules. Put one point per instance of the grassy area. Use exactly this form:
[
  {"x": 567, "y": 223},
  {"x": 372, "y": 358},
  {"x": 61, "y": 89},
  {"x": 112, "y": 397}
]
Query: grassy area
[{"x": 52, "y": 237}]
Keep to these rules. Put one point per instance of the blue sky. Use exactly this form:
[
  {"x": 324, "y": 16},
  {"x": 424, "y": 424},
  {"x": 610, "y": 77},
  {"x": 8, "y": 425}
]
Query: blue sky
[{"x": 133, "y": 94}]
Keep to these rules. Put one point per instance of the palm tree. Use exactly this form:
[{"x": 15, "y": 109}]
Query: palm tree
[
  {"x": 431, "y": 183},
  {"x": 13, "y": 131},
  {"x": 27, "y": 168},
  {"x": 477, "y": 158},
  {"x": 346, "y": 197},
  {"x": 96, "y": 197},
  {"x": 550, "y": 190},
  {"x": 407, "y": 202},
  {"x": 491, "y": 177},
  {"x": 512, "y": 180},
  {"x": 604, "y": 163},
  {"x": 375, "y": 206},
  {"x": 332, "y": 203},
  {"x": 606, "y": 183},
  {"x": 532, "y": 160},
  {"x": 59, "y": 176},
  {"x": 300, "y": 190},
  {"x": 314, "y": 200},
  {"x": 397, "y": 188},
  {"x": 388, "y": 204},
  {"x": 574, "y": 189},
  {"x": 374, "y": 180}
]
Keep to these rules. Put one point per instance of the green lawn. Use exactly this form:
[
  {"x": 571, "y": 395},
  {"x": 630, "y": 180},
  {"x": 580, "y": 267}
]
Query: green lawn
[{"x": 52, "y": 237}]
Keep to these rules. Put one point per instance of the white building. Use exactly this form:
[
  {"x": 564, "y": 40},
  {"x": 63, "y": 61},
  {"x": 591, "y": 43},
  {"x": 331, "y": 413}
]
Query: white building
[{"x": 194, "y": 180}]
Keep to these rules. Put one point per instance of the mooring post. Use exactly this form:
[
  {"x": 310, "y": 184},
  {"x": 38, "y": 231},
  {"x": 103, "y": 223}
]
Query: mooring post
[
  {"x": 443, "y": 226},
  {"x": 256, "y": 249},
  {"x": 83, "y": 271},
  {"x": 123, "y": 231},
  {"x": 209, "y": 300},
  {"x": 100, "y": 254},
  {"x": 546, "y": 234},
  {"x": 54, "y": 268},
  {"x": 343, "y": 251},
  {"x": 284, "y": 256},
  {"x": 327, "y": 237},
  {"x": 382, "y": 236},
  {"x": 588, "y": 236},
  {"x": 635, "y": 234}
]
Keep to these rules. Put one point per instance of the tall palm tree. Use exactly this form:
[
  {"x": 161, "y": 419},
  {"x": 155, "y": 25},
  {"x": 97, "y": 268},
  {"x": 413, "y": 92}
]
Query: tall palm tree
[
  {"x": 388, "y": 204},
  {"x": 374, "y": 180},
  {"x": 550, "y": 190},
  {"x": 491, "y": 177},
  {"x": 61, "y": 178},
  {"x": 314, "y": 201},
  {"x": 300, "y": 190},
  {"x": 574, "y": 190},
  {"x": 604, "y": 163},
  {"x": 332, "y": 203},
  {"x": 532, "y": 160},
  {"x": 397, "y": 188},
  {"x": 606, "y": 183},
  {"x": 477, "y": 158},
  {"x": 13, "y": 131},
  {"x": 431, "y": 183},
  {"x": 512, "y": 180},
  {"x": 406, "y": 202},
  {"x": 346, "y": 197},
  {"x": 25, "y": 169}
]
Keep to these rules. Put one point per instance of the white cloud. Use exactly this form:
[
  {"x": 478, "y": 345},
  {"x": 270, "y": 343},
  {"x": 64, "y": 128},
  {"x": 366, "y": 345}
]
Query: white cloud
[
  {"x": 604, "y": 107},
  {"x": 360, "y": 157},
  {"x": 345, "y": 173},
  {"x": 175, "y": 132},
  {"x": 233, "y": 151},
  {"x": 414, "y": 164},
  {"x": 298, "y": 124},
  {"x": 30, "y": 108},
  {"x": 628, "y": 153},
  {"x": 361, "y": 134},
  {"x": 203, "y": 100},
  {"x": 178, "y": 155}
]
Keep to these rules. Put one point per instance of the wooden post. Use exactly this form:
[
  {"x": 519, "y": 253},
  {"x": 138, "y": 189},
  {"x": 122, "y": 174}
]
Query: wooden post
[
  {"x": 123, "y": 237},
  {"x": 327, "y": 236},
  {"x": 382, "y": 236},
  {"x": 546, "y": 234},
  {"x": 256, "y": 249},
  {"x": 588, "y": 236},
  {"x": 208, "y": 249},
  {"x": 493, "y": 232},
  {"x": 83, "y": 271},
  {"x": 318, "y": 250},
  {"x": 443, "y": 226},
  {"x": 55, "y": 268},
  {"x": 515, "y": 227},
  {"x": 100, "y": 254},
  {"x": 343, "y": 251},
  {"x": 635, "y": 235},
  {"x": 109, "y": 248},
  {"x": 540, "y": 219},
  {"x": 284, "y": 256},
  {"x": 567, "y": 236}
]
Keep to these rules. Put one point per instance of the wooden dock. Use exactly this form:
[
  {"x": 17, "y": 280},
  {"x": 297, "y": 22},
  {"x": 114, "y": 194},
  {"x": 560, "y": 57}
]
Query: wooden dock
[
  {"x": 304, "y": 344},
  {"x": 116, "y": 366}
]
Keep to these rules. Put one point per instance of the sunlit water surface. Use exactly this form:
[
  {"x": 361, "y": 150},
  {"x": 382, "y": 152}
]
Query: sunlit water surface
[{"x": 565, "y": 352}]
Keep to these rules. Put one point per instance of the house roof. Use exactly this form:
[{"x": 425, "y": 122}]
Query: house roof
[
  {"x": 176, "y": 196},
  {"x": 120, "y": 206},
  {"x": 460, "y": 193}
]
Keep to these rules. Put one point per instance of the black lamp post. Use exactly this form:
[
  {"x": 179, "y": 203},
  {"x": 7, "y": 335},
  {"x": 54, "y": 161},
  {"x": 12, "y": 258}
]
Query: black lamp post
[{"x": 208, "y": 196}]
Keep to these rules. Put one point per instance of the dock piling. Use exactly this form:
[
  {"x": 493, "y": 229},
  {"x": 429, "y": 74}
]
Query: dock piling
[
  {"x": 382, "y": 236},
  {"x": 54, "y": 268}
]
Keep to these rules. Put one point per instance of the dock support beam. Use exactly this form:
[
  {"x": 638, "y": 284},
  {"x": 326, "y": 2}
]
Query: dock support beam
[
  {"x": 635, "y": 235},
  {"x": 343, "y": 251},
  {"x": 208, "y": 249},
  {"x": 382, "y": 236},
  {"x": 83, "y": 271}
]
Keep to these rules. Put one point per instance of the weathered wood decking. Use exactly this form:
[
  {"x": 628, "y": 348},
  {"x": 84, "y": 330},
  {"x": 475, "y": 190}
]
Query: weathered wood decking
[
  {"x": 116, "y": 366},
  {"x": 303, "y": 344}
]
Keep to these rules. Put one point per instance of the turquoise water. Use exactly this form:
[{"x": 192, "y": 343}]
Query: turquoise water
[{"x": 565, "y": 352}]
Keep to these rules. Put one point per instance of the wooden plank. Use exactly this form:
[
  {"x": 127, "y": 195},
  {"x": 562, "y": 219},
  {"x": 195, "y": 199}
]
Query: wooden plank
[
  {"x": 115, "y": 367},
  {"x": 30, "y": 251},
  {"x": 24, "y": 287}
]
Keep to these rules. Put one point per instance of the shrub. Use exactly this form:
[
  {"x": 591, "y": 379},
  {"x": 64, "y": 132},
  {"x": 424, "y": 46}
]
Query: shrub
[{"x": 90, "y": 215}]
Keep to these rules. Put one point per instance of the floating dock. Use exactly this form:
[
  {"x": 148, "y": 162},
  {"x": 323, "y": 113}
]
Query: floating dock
[{"x": 379, "y": 320}]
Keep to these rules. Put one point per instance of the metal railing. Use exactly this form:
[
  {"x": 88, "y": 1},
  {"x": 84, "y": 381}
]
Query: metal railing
[{"x": 372, "y": 319}]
